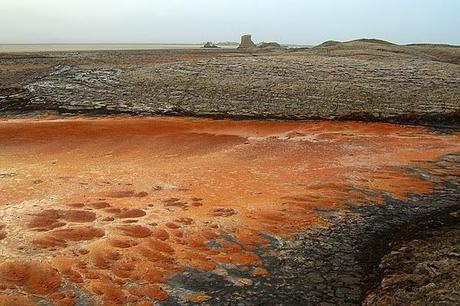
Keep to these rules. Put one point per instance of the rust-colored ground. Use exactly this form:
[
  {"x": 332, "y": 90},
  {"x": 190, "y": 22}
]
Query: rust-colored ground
[{"x": 111, "y": 208}]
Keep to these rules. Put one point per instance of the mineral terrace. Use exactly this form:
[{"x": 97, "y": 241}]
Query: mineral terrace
[{"x": 105, "y": 204}]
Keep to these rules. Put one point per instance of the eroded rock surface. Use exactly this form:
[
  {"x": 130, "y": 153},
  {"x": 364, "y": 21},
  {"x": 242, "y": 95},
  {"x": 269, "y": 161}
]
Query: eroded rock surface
[
  {"x": 424, "y": 270},
  {"x": 363, "y": 80}
]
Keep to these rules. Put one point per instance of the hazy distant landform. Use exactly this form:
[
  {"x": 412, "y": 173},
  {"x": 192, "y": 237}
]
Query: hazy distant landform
[
  {"x": 7, "y": 48},
  {"x": 90, "y": 47}
]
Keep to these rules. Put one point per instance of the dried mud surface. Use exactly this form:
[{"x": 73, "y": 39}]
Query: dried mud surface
[
  {"x": 361, "y": 80},
  {"x": 183, "y": 211}
]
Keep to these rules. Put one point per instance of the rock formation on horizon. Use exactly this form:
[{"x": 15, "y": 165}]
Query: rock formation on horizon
[
  {"x": 246, "y": 42},
  {"x": 210, "y": 44},
  {"x": 269, "y": 45}
]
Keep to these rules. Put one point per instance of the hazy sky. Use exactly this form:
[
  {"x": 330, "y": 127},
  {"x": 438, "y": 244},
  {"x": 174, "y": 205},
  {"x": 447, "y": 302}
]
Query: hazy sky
[{"x": 185, "y": 21}]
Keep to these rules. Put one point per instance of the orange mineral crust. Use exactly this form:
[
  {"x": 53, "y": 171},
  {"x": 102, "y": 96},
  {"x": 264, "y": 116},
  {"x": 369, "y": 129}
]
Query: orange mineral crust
[{"x": 111, "y": 208}]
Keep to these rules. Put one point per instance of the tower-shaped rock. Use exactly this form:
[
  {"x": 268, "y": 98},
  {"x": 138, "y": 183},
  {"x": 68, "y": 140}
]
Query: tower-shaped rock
[{"x": 246, "y": 42}]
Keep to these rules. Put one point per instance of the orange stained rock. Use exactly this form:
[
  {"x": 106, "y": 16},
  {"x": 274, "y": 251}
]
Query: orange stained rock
[
  {"x": 33, "y": 277},
  {"x": 12, "y": 299},
  {"x": 260, "y": 272},
  {"x": 197, "y": 298},
  {"x": 102, "y": 203}
]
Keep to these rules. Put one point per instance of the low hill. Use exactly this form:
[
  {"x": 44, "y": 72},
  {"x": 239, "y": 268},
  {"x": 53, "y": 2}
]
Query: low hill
[{"x": 376, "y": 48}]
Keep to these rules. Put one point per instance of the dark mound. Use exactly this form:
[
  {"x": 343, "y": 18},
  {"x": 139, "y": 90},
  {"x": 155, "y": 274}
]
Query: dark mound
[
  {"x": 441, "y": 53},
  {"x": 433, "y": 45},
  {"x": 210, "y": 45},
  {"x": 334, "y": 43},
  {"x": 269, "y": 45},
  {"x": 329, "y": 43},
  {"x": 374, "y": 41}
]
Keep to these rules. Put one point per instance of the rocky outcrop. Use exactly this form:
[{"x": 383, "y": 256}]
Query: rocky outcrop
[
  {"x": 246, "y": 42},
  {"x": 269, "y": 45},
  {"x": 422, "y": 271},
  {"x": 13, "y": 98},
  {"x": 305, "y": 84},
  {"x": 210, "y": 45}
]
